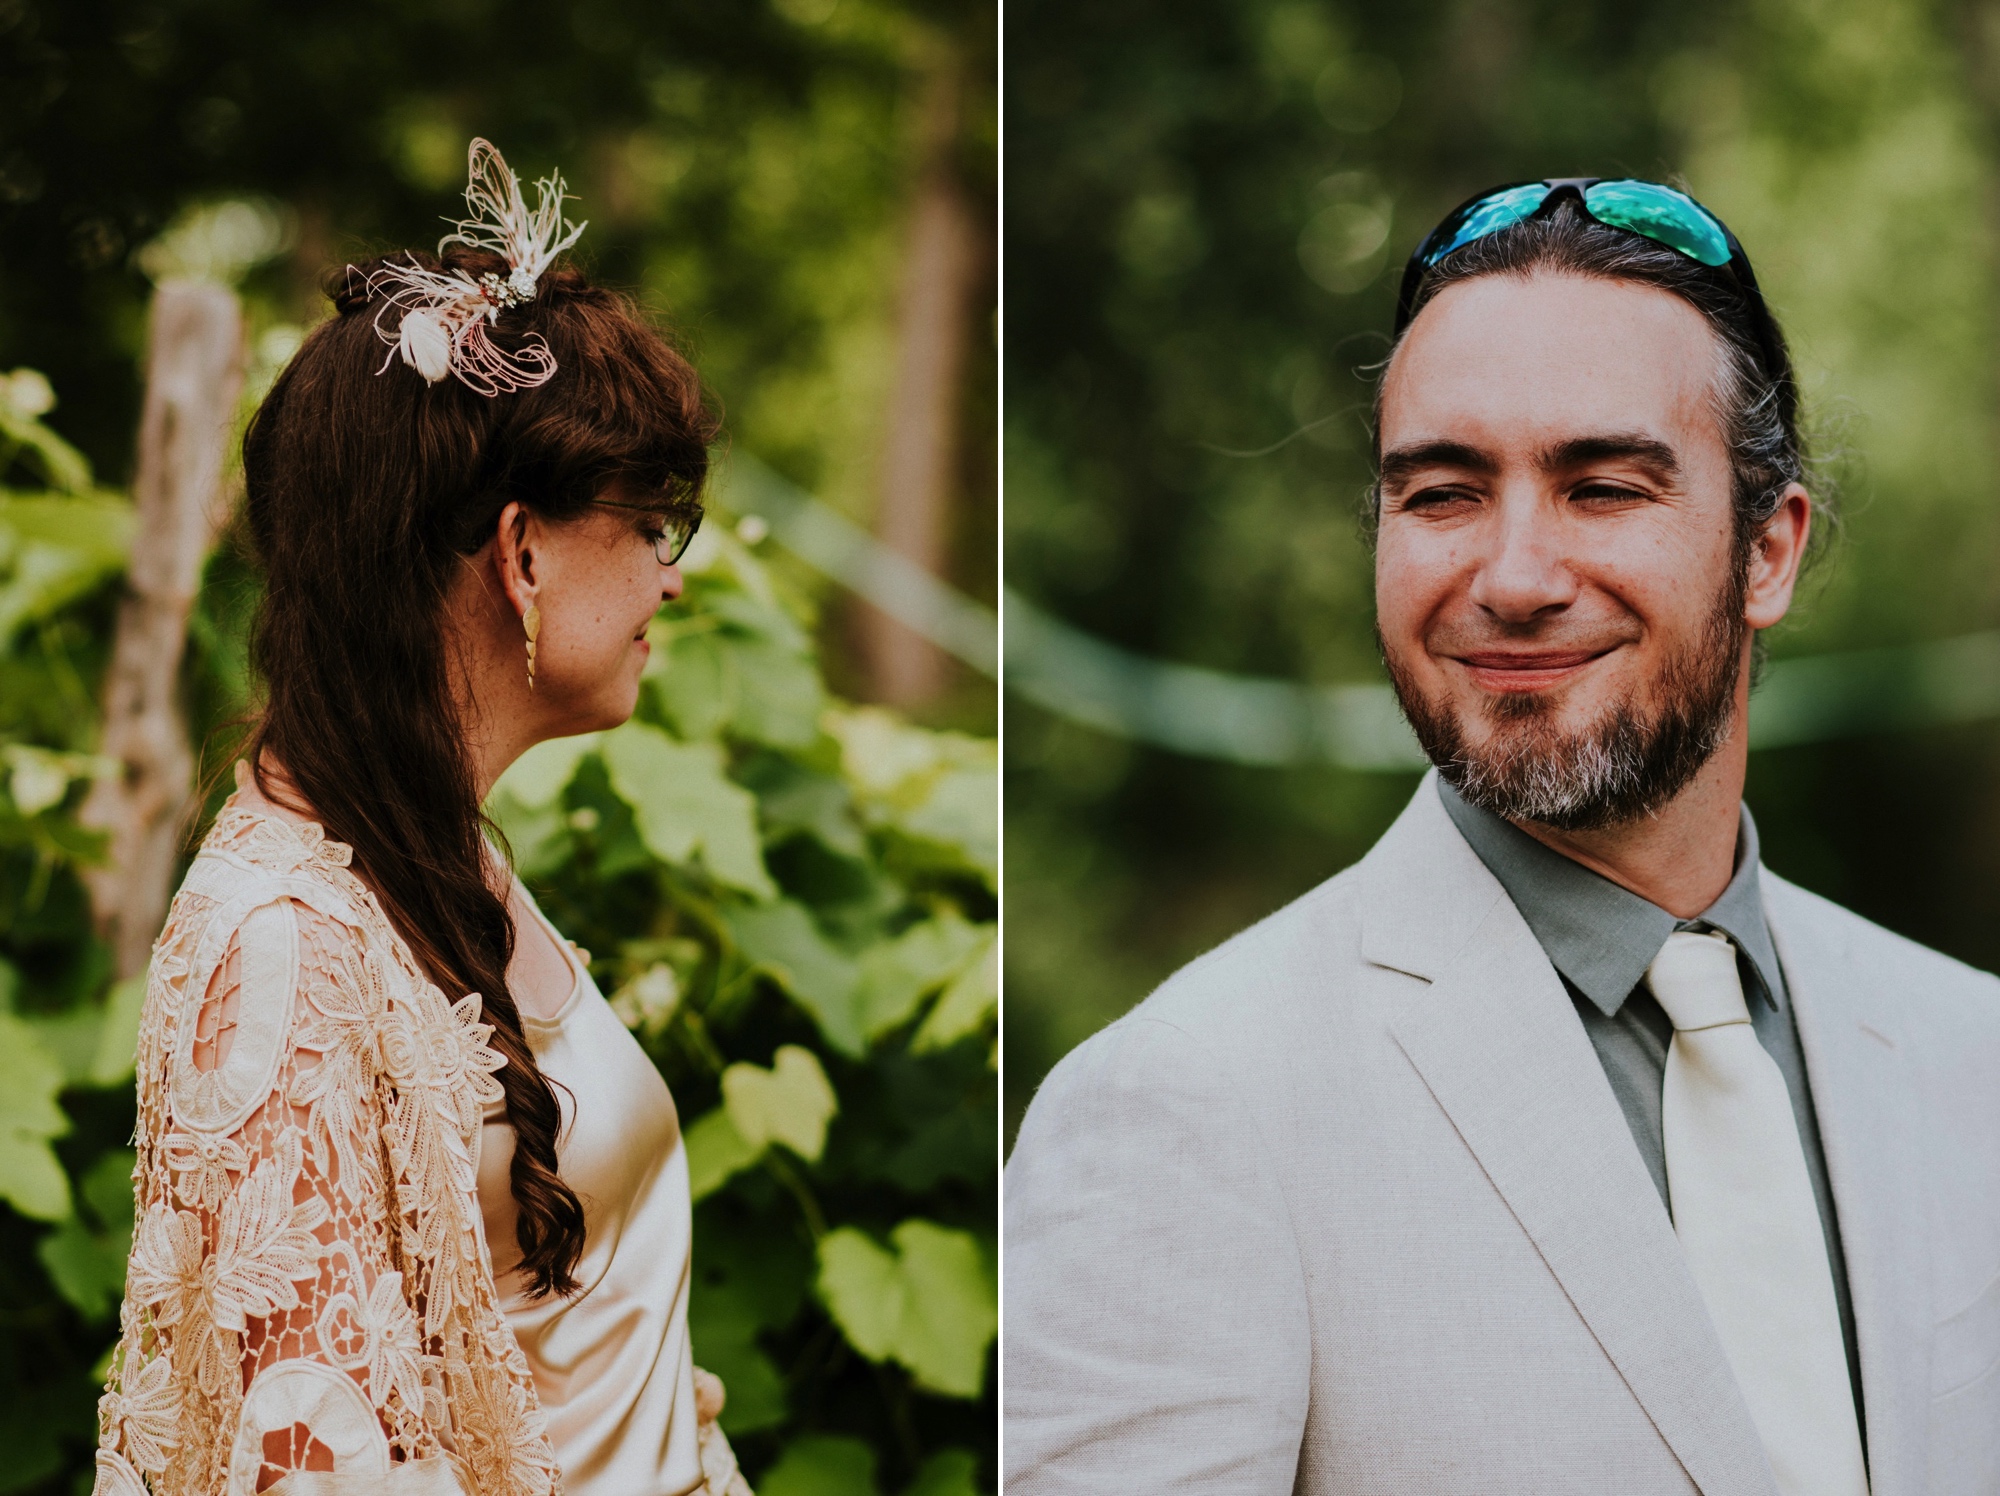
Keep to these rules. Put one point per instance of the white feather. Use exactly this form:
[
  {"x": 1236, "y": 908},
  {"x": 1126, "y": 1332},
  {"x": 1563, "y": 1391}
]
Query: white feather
[{"x": 425, "y": 345}]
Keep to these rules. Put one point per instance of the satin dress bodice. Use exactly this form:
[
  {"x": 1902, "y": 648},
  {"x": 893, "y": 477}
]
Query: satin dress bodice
[{"x": 611, "y": 1363}]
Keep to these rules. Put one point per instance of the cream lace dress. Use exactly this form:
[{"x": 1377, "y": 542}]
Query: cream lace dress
[{"x": 310, "y": 1307}]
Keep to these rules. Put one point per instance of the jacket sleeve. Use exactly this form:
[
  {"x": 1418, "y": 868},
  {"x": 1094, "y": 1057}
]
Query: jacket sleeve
[
  {"x": 268, "y": 1327},
  {"x": 1156, "y": 1334}
]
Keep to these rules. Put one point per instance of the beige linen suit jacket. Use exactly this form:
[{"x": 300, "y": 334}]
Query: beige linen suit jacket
[{"x": 1349, "y": 1206}]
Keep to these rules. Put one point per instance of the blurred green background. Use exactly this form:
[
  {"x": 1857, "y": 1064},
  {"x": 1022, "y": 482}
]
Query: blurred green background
[
  {"x": 804, "y": 944},
  {"x": 1207, "y": 205}
]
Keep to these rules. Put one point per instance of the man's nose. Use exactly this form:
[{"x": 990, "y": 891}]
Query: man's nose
[{"x": 1524, "y": 572}]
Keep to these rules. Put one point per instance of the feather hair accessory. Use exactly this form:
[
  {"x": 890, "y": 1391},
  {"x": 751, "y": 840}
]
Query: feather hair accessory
[{"x": 445, "y": 314}]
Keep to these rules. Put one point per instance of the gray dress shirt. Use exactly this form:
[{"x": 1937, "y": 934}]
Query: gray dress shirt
[{"x": 1601, "y": 938}]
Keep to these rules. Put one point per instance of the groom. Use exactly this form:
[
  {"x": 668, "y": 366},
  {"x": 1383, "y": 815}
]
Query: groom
[{"x": 1558, "y": 1146}]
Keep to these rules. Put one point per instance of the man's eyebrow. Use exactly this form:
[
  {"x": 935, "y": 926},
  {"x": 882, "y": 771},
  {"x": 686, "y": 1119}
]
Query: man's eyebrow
[
  {"x": 1648, "y": 452},
  {"x": 1399, "y": 464}
]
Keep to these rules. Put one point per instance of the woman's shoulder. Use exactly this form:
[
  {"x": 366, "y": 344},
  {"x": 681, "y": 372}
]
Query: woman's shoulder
[
  {"x": 267, "y": 907},
  {"x": 251, "y": 859}
]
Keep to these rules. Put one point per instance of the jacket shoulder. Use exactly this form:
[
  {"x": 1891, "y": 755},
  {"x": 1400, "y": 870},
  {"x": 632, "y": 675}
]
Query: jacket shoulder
[
  {"x": 1806, "y": 921},
  {"x": 1306, "y": 940},
  {"x": 1176, "y": 1035}
]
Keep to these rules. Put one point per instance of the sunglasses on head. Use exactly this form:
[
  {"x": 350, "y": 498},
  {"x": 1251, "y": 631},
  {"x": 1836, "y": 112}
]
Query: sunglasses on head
[{"x": 1648, "y": 209}]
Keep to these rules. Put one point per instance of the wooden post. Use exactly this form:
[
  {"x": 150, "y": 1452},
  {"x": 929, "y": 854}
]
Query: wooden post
[
  {"x": 920, "y": 452},
  {"x": 194, "y": 377}
]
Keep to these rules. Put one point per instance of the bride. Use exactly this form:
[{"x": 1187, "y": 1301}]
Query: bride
[{"x": 412, "y": 1206}]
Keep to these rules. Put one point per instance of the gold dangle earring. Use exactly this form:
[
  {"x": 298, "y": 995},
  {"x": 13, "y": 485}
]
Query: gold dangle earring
[{"x": 531, "y": 621}]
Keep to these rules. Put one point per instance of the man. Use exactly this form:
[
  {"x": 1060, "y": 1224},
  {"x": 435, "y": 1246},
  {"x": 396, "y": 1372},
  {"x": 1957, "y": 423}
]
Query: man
[{"x": 1557, "y": 1146}]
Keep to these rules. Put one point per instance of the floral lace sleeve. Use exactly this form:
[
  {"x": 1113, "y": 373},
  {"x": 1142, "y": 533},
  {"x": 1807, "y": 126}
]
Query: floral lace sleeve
[{"x": 308, "y": 1305}]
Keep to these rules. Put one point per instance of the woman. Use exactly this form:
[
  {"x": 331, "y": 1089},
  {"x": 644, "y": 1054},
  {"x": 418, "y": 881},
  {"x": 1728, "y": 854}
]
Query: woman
[{"x": 412, "y": 1205}]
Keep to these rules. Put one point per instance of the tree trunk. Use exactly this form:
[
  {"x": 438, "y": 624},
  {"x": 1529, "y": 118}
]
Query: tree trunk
[
  {"x": 194, "y": 376},
  {"x": 920, "y": 453}
]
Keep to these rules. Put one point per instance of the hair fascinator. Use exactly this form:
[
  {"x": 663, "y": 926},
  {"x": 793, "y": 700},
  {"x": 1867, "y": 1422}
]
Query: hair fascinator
[{"x": 445, "y": 314}]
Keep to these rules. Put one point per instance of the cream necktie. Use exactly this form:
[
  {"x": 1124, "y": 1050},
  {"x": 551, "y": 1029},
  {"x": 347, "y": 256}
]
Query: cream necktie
[{"x": 1744, "y": 1212}]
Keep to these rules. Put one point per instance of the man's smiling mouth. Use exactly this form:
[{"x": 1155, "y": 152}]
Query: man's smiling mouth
[{"x": 1501, "y": 670}]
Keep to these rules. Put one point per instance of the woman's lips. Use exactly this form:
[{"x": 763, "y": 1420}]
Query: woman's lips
[{"x": 1526, "y": 670}]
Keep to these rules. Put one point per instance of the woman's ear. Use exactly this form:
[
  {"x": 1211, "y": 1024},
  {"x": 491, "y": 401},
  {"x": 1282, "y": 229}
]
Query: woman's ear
[{"x": 517, "y": 538}]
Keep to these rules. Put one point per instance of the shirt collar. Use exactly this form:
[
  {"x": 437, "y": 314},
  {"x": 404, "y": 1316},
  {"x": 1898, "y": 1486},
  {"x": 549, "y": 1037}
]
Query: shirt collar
[{"x": 1603, "y": 937}]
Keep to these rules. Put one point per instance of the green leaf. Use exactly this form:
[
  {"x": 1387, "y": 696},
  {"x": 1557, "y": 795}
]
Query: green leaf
[
  {"x": 538, "y": 777},
  {"x": 949, "y": 1472},
  {"x": 107, "y": 1188},
  {"x": 816, "y": 805},
  {"x": 782, "y": 939},
  {"x": 937, "y": 790},
  {"x": 723, "y": 1321},
  {"x": 778, "y": 695},
  {"x": 86, "y": 1263},
  {"x": 899, "y": 974},
  {"x": 821, "y": 1465},
  {"x": 716, "y": 1150},
  {"x": 647, "y": 1003},
  {"x": 30, "y": 1077},
  {"x": 958, "y": 811},
  {"x": 761, "y": 617},
  {"x": 971, "y": 999},
  {"x": 791, "y": 1103},
  {"x": 928, "y": 1301},
  {"x": 684, "y": 803},
  {"x": 754, "y": 678},
  {"x": 63, "y": 467},
  {"x": 118, "y": 1038},
  {"x": 538, "y": 838},
  {"x": 526, "y": 802},
  {"x": 880, "y": 752},
  {"x": 54, "y": 551},
  {"x": 696, "y": 688}
]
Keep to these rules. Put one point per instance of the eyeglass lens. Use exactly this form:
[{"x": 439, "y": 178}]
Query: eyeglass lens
[{"x": 677, "y": 533}]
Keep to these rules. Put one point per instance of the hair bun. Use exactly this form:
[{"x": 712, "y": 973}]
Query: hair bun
[{"x": 347, "y": 288}]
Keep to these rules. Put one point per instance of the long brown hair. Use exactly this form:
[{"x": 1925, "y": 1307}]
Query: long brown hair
[{"x": 364, "y": 489}]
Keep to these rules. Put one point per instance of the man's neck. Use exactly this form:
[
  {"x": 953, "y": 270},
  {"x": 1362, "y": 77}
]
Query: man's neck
[{"x": 1682, "y": 856}]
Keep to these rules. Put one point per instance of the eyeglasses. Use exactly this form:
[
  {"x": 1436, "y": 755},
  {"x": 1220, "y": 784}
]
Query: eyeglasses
[
  {"x": 678, "y": 524},
  {"x": 1647, "y": 209}
]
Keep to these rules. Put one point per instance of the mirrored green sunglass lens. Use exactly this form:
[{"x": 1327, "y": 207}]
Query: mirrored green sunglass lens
[
  {"x": 1501, "y": 210},
  {"x": 1662, "y": 214}
]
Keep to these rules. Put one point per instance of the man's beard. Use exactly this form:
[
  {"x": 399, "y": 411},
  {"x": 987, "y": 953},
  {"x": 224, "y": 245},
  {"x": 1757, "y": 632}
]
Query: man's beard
[{"x": 1626, "y": 765}]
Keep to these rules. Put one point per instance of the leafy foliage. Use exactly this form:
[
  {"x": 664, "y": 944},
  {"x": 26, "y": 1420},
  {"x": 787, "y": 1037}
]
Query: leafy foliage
[{"x": 790, "y": 901}]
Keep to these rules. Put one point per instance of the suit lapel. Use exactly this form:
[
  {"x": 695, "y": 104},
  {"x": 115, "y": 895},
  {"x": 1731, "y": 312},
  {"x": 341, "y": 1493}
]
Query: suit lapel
[
  {"x": 1497, "y": 1042},
  {"x": 1865, "y": 1102}
]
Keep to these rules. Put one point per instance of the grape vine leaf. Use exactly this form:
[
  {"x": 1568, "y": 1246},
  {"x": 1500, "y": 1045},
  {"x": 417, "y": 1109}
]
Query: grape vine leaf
[
  {"x": 949, "y": 1472},
  {"x": 684, "y": 802},
  {"x": 85, "y": 1262},
  {"x": 927, "y": 1300},
  {"x": 782, "y": 939},
  {"x": 899, "y": 974},
  {"x": 790, "y": 1103},
  {"x": 972, "y": 998},
  {"x": 821, "y": 1465},
  {"x": 715, "y": 1152},
  {"x": 30, "y": 1178}
]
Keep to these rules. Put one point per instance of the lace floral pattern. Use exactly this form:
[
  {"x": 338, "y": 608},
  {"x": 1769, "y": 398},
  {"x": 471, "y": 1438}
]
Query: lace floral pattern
[{"x": 308, "y": 1287}]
